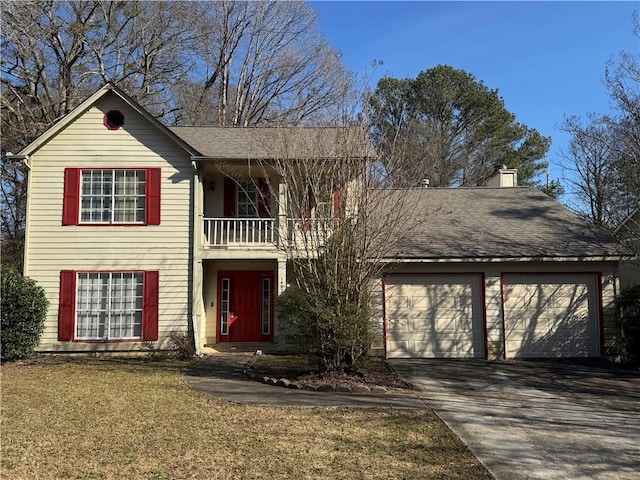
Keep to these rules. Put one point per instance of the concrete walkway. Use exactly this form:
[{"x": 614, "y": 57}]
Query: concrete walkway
[
  {"x": 536, "y": 420},
  {"x": 221, "y": 374}
]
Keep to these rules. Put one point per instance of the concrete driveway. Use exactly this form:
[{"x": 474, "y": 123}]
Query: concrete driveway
[{"x": 536, "y": 419}]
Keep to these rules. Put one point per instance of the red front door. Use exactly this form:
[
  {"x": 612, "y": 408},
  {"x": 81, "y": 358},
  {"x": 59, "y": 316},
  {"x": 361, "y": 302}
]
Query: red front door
[{"x": 245, "y": 305}]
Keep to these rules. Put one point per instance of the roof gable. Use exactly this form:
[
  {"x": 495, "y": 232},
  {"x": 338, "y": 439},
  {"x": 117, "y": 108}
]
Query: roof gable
[{"x": 107, "y": 89}]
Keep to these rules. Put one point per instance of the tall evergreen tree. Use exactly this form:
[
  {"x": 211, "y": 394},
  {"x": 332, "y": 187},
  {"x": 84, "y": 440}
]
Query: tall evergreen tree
[{"x": 454, "y": 127}]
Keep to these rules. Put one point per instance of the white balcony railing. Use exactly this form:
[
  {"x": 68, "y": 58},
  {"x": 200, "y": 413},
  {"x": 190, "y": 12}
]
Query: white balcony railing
[
  {"x": 220, "y": 232},
  {"x": 308, "y": 231}
]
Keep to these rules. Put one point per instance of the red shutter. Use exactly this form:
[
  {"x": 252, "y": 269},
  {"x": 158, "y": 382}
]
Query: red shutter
[
  {"x": 264, "y": 198},
  {"x": 338, "y": 201},
  {"x": 71, "y": 196},
  {"x": 153, "y": 195},
  {"x": 66, "y": 309},
  {"x": 229, "y": 207},
  {"x": 150, "y": 306}
]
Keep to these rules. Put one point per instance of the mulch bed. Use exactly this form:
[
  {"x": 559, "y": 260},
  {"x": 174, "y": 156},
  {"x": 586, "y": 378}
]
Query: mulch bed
[{"x": 371, "y": 372}]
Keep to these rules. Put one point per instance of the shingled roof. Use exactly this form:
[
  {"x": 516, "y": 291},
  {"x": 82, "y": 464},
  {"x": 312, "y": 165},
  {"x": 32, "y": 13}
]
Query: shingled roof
[
  {"x": 497, "y": 223},
  {"x": 242, "y": 143}
]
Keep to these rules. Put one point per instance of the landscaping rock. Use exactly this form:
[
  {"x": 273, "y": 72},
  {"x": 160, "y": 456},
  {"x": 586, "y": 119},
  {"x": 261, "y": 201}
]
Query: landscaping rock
[
  {"x": 327, "y": 387},
  {"x": 343, "y": 388},
  {"x": 360, "y": 389},
  {"x": 282, "y": 382},
  {"x": 378, "y": 389}
]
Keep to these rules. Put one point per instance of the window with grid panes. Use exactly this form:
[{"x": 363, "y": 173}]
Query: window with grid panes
[
  {"x": 113, "y": 196},
  {"x": 109, "y": 306},
  {"x": 247, "y": 200}
]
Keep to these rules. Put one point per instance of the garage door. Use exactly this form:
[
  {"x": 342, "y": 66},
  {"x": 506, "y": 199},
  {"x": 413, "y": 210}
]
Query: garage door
[
  {"x": 434, "y": 316},
  {"x": 551, "y": 315}
]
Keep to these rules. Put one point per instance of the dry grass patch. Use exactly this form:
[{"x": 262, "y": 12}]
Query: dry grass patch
[{"x": 113, "y": 419}]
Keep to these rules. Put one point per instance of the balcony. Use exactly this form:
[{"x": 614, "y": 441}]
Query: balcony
[
  {"x": 266, "y": 232},
  {"x": 226, "y": 232}
]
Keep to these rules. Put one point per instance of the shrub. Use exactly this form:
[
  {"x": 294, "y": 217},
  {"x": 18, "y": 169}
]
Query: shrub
[
  {"x": 337, "y": 333},
  {"x": 182, "y": 345},
  {"x": 24, "y": 307},
  {"x": 628, "y": 305}
]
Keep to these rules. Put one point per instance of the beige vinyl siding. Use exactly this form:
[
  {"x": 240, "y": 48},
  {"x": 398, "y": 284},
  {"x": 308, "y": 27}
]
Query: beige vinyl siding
[
  {"x": 610, "y": 288},
  {"x": 493, "y": 313},
  {"x": 51, "y": 247}
]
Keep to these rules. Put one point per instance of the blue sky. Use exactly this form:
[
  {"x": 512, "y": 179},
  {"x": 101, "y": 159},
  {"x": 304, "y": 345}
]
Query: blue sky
[{"x": 546, "y": 59}]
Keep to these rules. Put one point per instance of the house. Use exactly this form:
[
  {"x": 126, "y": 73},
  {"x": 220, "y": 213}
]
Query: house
[
  {"x": 629, "y": 233},
  {"x": 136, "y": 230}
]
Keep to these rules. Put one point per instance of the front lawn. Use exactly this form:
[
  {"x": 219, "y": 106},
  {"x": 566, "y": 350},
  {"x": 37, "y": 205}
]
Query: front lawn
[{"x": 111, "y": 419}]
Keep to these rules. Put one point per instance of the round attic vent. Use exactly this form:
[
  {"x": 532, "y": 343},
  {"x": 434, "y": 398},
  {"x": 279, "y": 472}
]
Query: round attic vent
[{"x": 113, "y": 119}]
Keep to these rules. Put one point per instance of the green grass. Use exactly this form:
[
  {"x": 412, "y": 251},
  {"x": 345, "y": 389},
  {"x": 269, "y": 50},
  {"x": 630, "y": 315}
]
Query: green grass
[{"x": 113, "y": 419}]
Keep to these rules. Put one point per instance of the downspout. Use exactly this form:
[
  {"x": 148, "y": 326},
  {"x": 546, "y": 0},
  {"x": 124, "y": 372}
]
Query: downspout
[
  {"x": 195, "y": 318},
  {"x": 27, "y": 162}
]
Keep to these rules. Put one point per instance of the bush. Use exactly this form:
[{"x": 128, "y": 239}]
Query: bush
[
  {"x": 336, "y": 333},
  {"x": 628, "y": 305},
  {"x": 24, "y": 307},
  {"x": 181, "y": 345}
]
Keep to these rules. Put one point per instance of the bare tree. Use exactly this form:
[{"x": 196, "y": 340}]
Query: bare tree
[
  {"x": 13, "y": 199},
  {"x": 337, "y": 227},
  {"x": 592, "y": 157},
  {"x": 266, "y": 63},
  {"x": 604, "y": 151},
  {"x": 622, "y": 79},
  {"x": 54, "y": 54}
]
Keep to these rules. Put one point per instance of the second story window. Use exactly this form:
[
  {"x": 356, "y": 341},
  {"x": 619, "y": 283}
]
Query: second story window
[
  {"x": 113, "y": 196},
  {"x": 247, "y": 200}
]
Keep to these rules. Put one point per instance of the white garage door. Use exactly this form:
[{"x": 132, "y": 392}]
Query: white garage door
[
  {"x": 551, "y": 315},
  {"x": 434, "y": 316}
]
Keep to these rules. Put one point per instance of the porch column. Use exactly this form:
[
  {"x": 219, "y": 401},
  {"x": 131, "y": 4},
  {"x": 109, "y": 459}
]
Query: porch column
[
  {"x": 282, "y": 276},
  {"x": 197, "y": 305},
  {"x": 278, "y": 338},
  {"x": 283, "y": 225}
]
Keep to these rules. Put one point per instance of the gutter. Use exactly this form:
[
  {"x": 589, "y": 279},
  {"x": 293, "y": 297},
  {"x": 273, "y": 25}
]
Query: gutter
[
  {"x": 17, "y": 156},
  {"x": 609, "y": 258}
]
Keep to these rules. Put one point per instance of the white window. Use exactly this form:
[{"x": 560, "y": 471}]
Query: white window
[
  {"x": 266, "y": 304},
  {"x": 113, "y": 196},
  {"x": 247, "y": 200},
  {"x": 109, "y": 306},
  {"x": 224, "y": 307}
]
